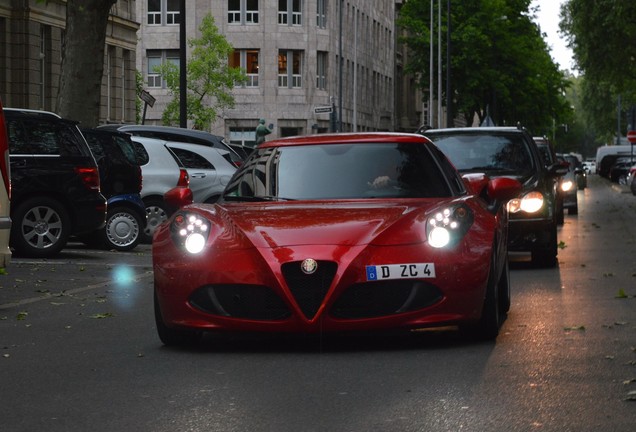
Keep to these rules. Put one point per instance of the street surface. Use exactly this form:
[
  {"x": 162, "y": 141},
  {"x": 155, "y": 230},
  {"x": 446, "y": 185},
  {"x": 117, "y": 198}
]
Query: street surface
[{"x": 79, "y": 352}]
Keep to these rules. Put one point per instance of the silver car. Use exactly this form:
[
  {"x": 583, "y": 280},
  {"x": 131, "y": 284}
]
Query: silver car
[
  {"x": 161, "y": 170},
  {"x": 208, "y": 169}
]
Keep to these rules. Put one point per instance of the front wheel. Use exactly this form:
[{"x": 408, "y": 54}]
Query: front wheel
[
  {"x": 41, "y": 228},
  {"x": 156, "y": 214},
  {"x": 487, "y": 328}
]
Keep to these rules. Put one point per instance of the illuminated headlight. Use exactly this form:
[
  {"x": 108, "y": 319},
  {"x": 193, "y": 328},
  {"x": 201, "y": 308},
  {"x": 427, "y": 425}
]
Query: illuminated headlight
[
  {"x": 448, "y": 226},
  {"x": 566, "y": 185},
  {"x": 190, "y": 231},
  {"x": 529, "y": 203}
]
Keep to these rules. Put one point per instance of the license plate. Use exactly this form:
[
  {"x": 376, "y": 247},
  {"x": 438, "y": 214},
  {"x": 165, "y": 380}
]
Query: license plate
[{"x": 400, "y": 271}]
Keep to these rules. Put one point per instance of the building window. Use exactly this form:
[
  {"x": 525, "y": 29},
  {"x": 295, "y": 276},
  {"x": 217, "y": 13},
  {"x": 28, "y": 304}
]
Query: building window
[
  {"x": 290, "y": 12},
  {"x": 155, "y": 59},
  {"x": 289, "y": 67},
  {"x": 163, "y": 11},
  {"x": 241, "y": 12},
  {"x": 243, "y": 136},
  {"x": 42, "y": 56},
  {"x": 321, "y": 70},
  {"x": 248, "y": 61},
  {"x": 321, "y": 14}
]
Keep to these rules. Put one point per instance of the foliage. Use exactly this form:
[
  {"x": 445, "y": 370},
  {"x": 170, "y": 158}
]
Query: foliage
[
  {"x": 602, "y": 36},
  {"x": 500, "y": 63},
  {"x": 209, "y": 78}
]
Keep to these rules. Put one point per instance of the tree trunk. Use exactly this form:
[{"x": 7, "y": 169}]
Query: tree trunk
[{"x": 83, "y": 60}]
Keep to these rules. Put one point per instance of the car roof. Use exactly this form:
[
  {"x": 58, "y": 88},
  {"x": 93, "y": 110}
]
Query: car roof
[
  {"x": 475, "y": 129},
  {"x": 31, "y": 112},
  {"x": 346, "y": 138},
  {"x": 167, "y": 129}
]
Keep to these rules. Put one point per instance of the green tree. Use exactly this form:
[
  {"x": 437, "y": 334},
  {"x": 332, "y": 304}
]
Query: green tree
[
  {"x": 210, "y": 79},
  {"x": 602, "y": 35},
  {"x": 500, "y": 63}
]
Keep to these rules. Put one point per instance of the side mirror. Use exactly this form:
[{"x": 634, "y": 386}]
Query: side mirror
[
  {"x": 503, "y": 189},
  {"x": 176, "y": 198},
  {"x": 558, "y": 169},
  {"x": 475, "y": 182}
]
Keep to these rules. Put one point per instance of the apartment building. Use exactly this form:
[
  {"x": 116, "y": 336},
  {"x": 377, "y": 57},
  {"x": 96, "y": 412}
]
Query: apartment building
[
  {"x": 31, "y": 38},
  {"x": 312, "y": 65}
]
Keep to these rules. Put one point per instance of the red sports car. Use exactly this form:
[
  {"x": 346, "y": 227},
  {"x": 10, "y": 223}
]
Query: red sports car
[{"x": 337, "y": 232}]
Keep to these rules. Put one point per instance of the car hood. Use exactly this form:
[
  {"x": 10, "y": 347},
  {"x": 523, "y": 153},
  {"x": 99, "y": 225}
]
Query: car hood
[{"x": 344, "y": 224}]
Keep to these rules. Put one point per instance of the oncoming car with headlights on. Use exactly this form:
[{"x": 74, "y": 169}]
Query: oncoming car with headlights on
[
  {"x": 511, "y": 152},
  {"x": 333, "y": 233}
]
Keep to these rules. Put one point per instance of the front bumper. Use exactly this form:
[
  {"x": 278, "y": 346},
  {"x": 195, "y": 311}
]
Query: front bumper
[{"x": 527, "y": 235}]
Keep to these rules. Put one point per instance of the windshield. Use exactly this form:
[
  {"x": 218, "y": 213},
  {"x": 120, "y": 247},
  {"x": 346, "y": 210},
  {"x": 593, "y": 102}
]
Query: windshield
[
  {"x": 339, "y": 171},
  {"x": 505, "y": 154}
]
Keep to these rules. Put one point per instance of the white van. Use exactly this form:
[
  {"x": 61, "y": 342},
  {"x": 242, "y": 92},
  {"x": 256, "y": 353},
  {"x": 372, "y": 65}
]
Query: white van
[
  {"x": 5, "y": 193},
  {"x": 607, "y": 155}
]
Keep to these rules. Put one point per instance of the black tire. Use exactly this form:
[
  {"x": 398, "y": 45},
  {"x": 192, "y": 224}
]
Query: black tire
[
  {"x": 574, "y": 210},
  {"x": 123, "y": 229},
  {"x": 41, "y": 228},
  {"x": 487, "y": 328},
  {"x": 504, "y": 289},
  {"x": 173, "y": 336},
  {"x": 156, "y": 214}
]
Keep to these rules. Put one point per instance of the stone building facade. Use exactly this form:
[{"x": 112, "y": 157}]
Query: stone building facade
[
  {"x": 31, "y": 39},
  {"x": 300, "y": 77}
]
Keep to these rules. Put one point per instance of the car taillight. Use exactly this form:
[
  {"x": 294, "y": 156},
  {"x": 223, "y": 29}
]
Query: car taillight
[
  {"x": 184, "y": 178},
  {"x": 89, "y": 176}
]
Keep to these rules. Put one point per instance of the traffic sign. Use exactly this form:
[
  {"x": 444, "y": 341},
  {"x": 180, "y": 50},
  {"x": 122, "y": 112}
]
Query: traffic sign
[
  {"x": 631, "y": 136},
  {"x": 323, "y": 109}
]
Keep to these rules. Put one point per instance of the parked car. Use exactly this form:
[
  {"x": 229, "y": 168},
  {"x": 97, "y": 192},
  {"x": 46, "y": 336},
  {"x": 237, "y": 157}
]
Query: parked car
[
  {"x": 5, "y": 193},
  {"x": 161, "y": 171},
  {"x": 208, "y": 169},
  {"x": 121, "y": 180},
  {"x": 631, "y": 179},
  {"x": 568, "y": 186},
  {"x": 236, "y": 153},
  {"x": 55, "y": 186},
  {"x": 282, "y": 252},
  {"x": 511, "y": 152},
  {"x": 619, "y": 170}
]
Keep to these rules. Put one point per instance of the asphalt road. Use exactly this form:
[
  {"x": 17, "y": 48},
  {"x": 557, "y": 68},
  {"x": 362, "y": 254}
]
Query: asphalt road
[{"x": 78, "y": 352}]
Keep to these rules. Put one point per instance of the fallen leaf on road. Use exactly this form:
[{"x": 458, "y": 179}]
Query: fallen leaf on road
[
  {"x": 102, "y": 315},
  {"x": 580, "y": 328},
  {"x": 22, "y": 316}
]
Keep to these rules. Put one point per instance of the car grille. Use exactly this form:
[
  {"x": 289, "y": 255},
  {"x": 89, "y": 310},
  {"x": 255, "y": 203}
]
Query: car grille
[
  {"x": 254, "y": 302},
  {"x": 383, "y": 298},
  {"x": 309, "y": 290}
]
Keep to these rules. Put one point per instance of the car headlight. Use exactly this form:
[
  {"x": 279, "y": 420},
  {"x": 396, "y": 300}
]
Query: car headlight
[
  {"x": 190, "y": 231},
  {"x": 566, "y": 185},
  {"x": 447, "y": 226},
  {"x": 532, "y": 202}
]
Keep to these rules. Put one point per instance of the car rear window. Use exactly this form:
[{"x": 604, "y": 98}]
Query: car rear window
[{"x": 341, "y": 171}]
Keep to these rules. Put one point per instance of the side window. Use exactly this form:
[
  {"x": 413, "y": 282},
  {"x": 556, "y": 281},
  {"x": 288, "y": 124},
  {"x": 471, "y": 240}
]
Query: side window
[
  {"x": 191, "y": 159},
  {"x": 140, "y": 153},
  {"x": 18, "y": 143}
]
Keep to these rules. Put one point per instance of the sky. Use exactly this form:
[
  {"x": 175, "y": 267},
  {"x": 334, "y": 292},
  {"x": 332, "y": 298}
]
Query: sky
[{"x": 548, "y": 19}]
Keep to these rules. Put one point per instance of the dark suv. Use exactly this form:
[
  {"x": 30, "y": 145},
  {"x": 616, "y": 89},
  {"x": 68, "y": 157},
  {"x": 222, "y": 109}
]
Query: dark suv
[
  {"x": 55, "y": 187},
  {"x": 511, "y": 152}
]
